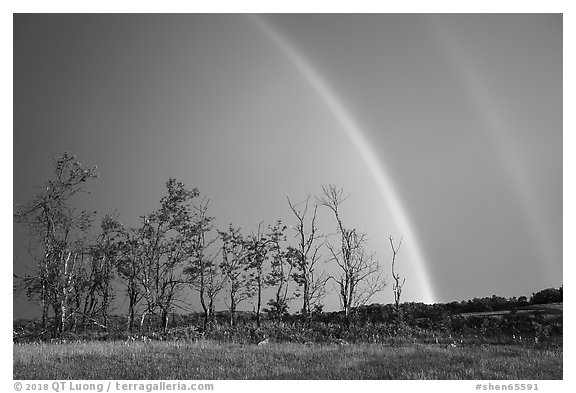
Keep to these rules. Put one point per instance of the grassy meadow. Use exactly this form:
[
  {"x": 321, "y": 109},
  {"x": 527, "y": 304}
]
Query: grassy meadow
[{"x": 206, "y": 360}]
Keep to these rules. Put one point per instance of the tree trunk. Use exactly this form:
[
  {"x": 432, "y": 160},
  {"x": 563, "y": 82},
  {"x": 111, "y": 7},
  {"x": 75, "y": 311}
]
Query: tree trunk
[
  {"x": 105, "y": 304},
  {"x": 212, "y": 317},
  {"x": 131, "y": 315},
  {"x": 306, "y": 305},
  {"x": 164, "y": 319},
  {"x": 232, "y": 312},
  {"x": 204, "y": 308},
  {"x": 63, "y": 314},
  {"x": 259, "y": 304},
  {"x": 57, "y": 320},
  {"x": 142, "y": 319},
  {"x": 104, "y": 315},
  {"x": 75, "y": 312},
  {"x": 44, "y": 304}
]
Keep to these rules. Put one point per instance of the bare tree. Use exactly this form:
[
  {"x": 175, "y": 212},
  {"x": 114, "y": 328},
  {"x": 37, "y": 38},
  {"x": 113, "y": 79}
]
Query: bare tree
[
  {"x": 305, "y": 256},
  {"x": 396, "y": 285},
  {"x": 360, "y": 276}
]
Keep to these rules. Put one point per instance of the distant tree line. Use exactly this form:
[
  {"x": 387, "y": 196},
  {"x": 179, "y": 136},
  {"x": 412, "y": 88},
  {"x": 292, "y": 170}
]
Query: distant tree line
[
  {"x": 81, "y": 270},
  {"x": 426, "y": 315}
]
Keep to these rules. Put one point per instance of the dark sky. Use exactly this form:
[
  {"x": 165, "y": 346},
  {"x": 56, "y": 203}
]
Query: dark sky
[{"x": 444, "y": 129}]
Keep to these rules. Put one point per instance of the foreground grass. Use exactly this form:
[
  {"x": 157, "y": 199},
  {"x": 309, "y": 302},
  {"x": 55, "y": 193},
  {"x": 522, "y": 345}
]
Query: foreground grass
[{"x": 209, "y": 360}]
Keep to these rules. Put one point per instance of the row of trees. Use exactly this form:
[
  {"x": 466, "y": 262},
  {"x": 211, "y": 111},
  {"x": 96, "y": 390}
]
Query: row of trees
[{"x": 78, "y": 274}]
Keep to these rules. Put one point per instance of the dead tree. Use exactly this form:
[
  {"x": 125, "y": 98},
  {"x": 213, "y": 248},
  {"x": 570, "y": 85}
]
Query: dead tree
[
  {"x": 305, "y": 256},
  {"x": 359, "y": 277},
  {"x": 396, "y": 285}
]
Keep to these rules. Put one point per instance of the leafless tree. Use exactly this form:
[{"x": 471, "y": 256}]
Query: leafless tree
[
  {"x": 396, "y": 285},
  {"x": 305, "y": 256},
  {"x": 360, "y": 276}
]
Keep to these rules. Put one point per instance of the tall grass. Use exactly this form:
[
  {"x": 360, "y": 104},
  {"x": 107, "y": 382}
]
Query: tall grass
[{"x": 212, "y": 360}]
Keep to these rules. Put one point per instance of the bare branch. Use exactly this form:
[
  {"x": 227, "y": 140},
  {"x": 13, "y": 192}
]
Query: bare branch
[
  {"x": 396, "y": 286},
  {"x": 359, "y": 279}
]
